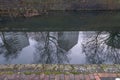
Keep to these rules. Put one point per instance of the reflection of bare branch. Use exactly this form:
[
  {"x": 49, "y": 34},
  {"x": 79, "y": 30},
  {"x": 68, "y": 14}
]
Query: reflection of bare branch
[
  {"x": 50, "y": 52},
  {"x": 9, "y": 51},
  {"x": 57, "y": 46},
  {"x": 97, "y": 51},
  {"x": 53, "y": 37},
  {"x": 43, "y": 35}
]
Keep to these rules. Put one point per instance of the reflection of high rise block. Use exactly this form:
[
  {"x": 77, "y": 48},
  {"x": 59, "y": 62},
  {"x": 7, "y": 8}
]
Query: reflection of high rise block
[
  {"x": 67, "y": 40},
  {"x": 16, "y": 40}
]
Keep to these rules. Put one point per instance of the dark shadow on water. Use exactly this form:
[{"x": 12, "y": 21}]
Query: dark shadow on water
[{"x": 65, "y": 21}]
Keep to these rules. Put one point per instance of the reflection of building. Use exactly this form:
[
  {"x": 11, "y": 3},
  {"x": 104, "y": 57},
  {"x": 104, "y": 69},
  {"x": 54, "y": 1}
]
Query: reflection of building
[
  {"x": 67, "y": 40},
  {"x": 15, "y": 41}
]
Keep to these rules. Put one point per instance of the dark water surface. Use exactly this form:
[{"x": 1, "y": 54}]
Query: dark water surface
[
  {"x": 65, "y": 20},
  {"x": 67, "y": 47}
]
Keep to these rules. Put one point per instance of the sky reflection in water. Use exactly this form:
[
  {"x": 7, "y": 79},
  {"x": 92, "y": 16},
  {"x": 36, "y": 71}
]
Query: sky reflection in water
[{"x": 73, "y": 47}]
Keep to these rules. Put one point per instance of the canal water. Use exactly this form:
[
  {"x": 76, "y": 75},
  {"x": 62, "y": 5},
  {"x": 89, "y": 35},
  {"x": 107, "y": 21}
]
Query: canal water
[
  {"x": 66, "y": 47},
  {"x": 61, "y": 37},
  {"x": 64, "y": 20}
]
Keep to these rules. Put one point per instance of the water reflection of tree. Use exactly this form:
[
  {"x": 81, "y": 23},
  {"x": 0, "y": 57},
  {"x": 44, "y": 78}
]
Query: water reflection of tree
[
  {"x": 9, "y": 46},
  {"x": 48, "y": 51},
  {"x": 100, "y": 48}
]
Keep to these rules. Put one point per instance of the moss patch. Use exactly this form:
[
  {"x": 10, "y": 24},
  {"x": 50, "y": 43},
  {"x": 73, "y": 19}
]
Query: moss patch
[
  {"x": 27, "y": 73},
  {"x": 37, "y": 73},
  {"x": 47, "y": 72},
  {"x": 8, "y": 73},
  {"x": 75, "y": 73}
]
